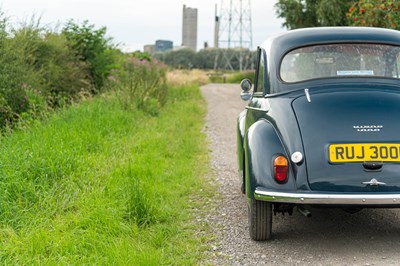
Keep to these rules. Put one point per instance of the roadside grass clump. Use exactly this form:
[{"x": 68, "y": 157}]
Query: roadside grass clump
[
  {"x": 234, "y": 77},
  {"x": 237, "y": 77},
  {"x": 100, "y": 184},
  {"x": 185, "y": 77},
  {"x": 141, "y": 83}
]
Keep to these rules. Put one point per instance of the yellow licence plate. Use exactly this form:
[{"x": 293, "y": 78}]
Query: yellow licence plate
[{"x": 364, "y": 152}]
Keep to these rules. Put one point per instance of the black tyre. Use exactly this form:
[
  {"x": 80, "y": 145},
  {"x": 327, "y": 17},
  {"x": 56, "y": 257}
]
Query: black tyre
[{"x": 260, "y": 220}]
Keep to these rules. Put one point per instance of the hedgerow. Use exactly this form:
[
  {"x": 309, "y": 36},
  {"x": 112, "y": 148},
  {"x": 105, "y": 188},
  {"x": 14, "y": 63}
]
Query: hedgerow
[{"x": 42, "y": 69}]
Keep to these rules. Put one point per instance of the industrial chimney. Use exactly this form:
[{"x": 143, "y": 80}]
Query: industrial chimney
[{"x": 216, "y": 29}]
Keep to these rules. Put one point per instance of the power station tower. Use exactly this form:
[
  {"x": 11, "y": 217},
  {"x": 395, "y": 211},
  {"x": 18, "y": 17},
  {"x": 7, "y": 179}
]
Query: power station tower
[
  {"x": 189, "y": 27},
  {"x": 234, "y": 29}
]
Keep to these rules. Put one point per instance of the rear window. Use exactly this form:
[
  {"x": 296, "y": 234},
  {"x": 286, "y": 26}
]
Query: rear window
[{"x": 340, "y": 60}]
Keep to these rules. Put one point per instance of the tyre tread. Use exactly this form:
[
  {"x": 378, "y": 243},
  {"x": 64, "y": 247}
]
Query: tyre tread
[{"x": 260, "y": 220}]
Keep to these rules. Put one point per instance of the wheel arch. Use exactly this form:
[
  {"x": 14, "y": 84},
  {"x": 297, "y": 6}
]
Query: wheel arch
[
  {"x": 240, "y": 128},
  {"x": 261, "y": 143}
]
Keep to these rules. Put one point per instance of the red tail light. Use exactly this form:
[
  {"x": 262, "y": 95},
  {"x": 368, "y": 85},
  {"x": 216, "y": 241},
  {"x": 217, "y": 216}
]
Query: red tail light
[{"x": 281, "y": 169}]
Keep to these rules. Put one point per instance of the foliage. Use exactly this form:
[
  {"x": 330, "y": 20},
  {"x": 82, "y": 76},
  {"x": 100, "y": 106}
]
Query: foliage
[
  {"x": 23, "y": 91},
  {"x": 62, "y": 76},
  {"x": 297, "y": 14},
  {"x": 239, "y": 76},
  {"x": 16, "y": 79},
  {"x": 375, "y": 13},
  {"x": 97, "y": 184},
  {"x": 209, "y": 59},
  {"x": 93, "y": 47},
  {"x": 141, "y": 83},
  {"x": 37, "y": 72},
  {"x": 182, "y": 58},
  {"x": 141, "y": 55},
  {"x": 333, "y": 12},
  {"x": 312, "y": 13},
  {"x": 41, "y": 70}
]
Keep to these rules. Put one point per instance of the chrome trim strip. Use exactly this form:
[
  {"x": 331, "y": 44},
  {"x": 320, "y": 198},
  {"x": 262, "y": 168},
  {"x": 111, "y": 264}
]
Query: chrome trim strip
[
  {"x": 257, "y": 109},
  {"x": 307, "y": 93},
  {"x": 318, "y": 198}
]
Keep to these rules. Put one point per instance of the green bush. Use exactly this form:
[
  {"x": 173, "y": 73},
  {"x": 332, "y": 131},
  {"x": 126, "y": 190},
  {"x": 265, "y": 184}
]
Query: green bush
[
  {"x": 61, "y": 76},
  {"x": 41, "y": 70},
  {"x": 93, "y": 47},
  {"x": 18, "y": 81}
]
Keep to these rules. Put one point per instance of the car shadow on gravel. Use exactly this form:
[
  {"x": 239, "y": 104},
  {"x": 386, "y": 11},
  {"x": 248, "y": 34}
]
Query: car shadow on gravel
[{"x": 369, "y": 230}]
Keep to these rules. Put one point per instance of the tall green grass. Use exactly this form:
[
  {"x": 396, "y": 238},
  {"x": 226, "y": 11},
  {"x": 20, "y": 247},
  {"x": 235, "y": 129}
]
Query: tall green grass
[
  {"x": 101, "y": 184},
  {"x": 141, "y": 83}
]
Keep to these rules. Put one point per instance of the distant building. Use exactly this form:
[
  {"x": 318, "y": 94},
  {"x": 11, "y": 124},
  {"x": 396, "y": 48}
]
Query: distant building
[
  {"x": 189, "y": 28},
  {"x": 163, "y": 45}
]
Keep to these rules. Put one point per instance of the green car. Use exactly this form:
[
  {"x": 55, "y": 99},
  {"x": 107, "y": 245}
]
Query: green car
[{"x": 322, "y": 126}]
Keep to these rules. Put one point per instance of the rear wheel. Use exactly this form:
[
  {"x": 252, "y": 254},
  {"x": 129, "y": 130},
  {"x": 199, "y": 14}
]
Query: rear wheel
[{"x": 260, "y": 220}]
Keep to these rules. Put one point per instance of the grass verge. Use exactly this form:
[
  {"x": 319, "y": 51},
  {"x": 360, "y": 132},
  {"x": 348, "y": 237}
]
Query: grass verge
[{"x": 100, "y": 184}]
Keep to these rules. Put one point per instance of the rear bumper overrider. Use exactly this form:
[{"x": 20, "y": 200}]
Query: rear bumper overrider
[{"x": 328, "y": 198}]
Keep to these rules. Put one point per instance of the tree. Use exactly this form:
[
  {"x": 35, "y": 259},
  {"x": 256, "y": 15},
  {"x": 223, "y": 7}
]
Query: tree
[
  {"x": 208, "y": 58},
  {"x": 333, "y": 12},
  {"x": 312, "y": 13},
  {"x": 183, "y": 58},
  {"x": 375, "y": 13},
  {"x": 93, "y": 47},
  {"x": 297, "y": 13}
]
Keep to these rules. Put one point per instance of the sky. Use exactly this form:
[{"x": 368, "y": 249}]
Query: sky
[{"x": 135, "y": 23}]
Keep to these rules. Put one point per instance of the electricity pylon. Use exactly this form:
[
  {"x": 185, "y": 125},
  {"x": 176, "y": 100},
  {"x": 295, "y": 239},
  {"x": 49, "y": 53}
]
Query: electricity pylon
[{"x": 235, "y": 31}]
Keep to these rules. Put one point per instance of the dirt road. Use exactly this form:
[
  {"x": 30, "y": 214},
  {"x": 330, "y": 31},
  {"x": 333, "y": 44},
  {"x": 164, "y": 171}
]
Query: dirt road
[{"x": 329, "y": 237}]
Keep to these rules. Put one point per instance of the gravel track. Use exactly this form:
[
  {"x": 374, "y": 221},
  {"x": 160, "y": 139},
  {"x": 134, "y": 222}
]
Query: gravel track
[{"x": 329, "y": 237}]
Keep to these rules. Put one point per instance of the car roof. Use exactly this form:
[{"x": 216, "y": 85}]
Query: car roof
[
  {"x": 302, "y": 37},
  {"x": 277, "y": 46}
]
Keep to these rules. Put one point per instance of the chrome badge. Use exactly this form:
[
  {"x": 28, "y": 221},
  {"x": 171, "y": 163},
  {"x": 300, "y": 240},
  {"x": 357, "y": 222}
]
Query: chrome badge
[
  {"x": 370, "y": 128},
  {"x": 373, "y": 182}
]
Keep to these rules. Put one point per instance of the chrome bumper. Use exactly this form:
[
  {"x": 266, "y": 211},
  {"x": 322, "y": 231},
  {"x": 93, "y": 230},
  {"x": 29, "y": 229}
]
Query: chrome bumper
[{"x": 329, "y": 199}]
